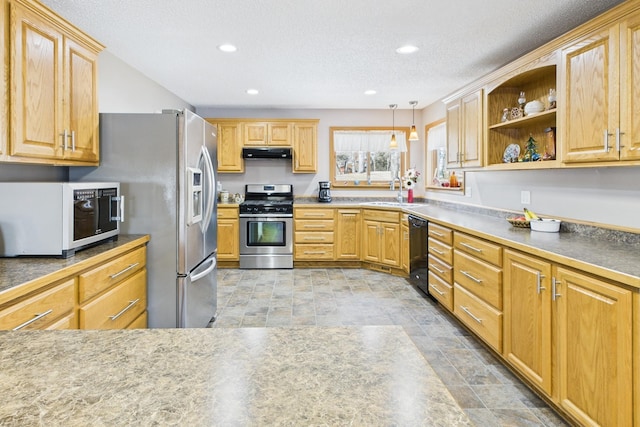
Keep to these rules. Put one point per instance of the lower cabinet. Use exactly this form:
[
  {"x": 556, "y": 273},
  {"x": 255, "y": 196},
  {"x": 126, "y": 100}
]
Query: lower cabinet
[
  {"x": 381, "y": 242},
  {"x": 228, "y": 233},
  {"x": 313, "y": 234},
  {"x": 570, "y": 334},
  {"x": 405, "y": 249},
  {"x": 348, "y": 235},
  {"x": 106, "y": 291}
]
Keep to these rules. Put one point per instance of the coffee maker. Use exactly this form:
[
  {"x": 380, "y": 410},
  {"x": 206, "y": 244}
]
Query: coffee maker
[{"x": 324, "y": 192}]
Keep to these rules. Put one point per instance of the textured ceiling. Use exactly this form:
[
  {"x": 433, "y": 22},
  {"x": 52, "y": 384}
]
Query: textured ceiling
[{"x": 321, "y": 53}]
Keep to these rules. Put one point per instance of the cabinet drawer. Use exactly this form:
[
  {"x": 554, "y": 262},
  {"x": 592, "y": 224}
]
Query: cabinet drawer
[
  {"x": 69, "y": 321},
  {"x": 480, "y": 317},
  {"x": 440, "y": 269},
  {"x": 314, "y": 225},
  {"x": 479, "y": 277},
  {"x": 440, "y": 250},
  {"x": 227, "y": 213},
  {"x": 441, "y": 291},
  {"x": 41, "y": 310},
  {"x": 320, "y": 237},
  {"x": 302, "y": 252},
  {"x": 140, "y": 322},
  {"x": 444, "y": 234},
  {"x": 118, "y": 307},
  {"x": 97, "y": 280},
  {"x": 313, "y": 213},
  {"x": 482, "y": 249},
  {"x": 382, "y": 216}
]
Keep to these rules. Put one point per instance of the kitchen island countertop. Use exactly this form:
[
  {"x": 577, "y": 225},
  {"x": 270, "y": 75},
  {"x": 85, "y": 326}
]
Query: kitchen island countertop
[{"x": 371, "y": 375}]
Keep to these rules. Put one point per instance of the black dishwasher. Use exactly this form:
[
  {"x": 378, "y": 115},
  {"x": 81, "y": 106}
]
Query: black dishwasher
[{"x": 418, "y": 268}]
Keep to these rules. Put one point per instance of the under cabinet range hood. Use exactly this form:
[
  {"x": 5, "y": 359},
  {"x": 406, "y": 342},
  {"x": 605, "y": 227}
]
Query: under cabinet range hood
[{"x": 266, "y": 153}]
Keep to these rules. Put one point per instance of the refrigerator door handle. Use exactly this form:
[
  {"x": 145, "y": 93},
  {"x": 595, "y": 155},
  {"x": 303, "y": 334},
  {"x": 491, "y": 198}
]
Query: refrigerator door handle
[
  {"x": 211, "y": 185},
  {"x": 196, "y": 277}
]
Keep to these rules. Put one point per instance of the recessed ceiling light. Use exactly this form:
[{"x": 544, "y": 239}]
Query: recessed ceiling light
[
  {"x": 253, "y": 91},
  {"x": 227, "y": 48},
  {"x": 407, "y": 49},
  {"x": 370, "y": 92}
]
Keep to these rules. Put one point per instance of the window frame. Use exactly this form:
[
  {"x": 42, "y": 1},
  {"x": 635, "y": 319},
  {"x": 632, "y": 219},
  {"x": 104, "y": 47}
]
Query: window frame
[{"x": 375, "y": 185}]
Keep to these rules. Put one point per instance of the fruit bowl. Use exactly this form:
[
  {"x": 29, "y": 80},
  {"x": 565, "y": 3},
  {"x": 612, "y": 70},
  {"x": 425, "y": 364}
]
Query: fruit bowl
[{"x": 519, "y": 222}]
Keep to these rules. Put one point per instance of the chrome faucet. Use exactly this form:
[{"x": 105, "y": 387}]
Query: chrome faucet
[{"x": 393, "y": 185}]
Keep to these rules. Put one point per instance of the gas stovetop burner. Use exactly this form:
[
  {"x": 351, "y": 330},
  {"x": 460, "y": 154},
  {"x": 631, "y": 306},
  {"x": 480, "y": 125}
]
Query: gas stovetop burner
[{"x": 267, "y": 199}]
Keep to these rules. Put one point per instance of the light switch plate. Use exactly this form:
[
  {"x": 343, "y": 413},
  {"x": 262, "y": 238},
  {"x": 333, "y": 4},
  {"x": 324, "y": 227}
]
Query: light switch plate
[{"x": 525, "y": 197}]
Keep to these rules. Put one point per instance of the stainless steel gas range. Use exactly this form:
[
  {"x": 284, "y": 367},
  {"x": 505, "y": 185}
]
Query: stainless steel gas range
[{"x": 266, "y": 226}]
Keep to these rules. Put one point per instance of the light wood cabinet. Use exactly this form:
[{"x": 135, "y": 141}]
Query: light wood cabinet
[
  {"x": 348, "y": 234},
  {"x": 602, "y": 92},
  {"x": 53, "y": 103},
  {"x": 595, "y": 363},
  {"x": 440, "y": 262},
  {"x": 228, "y": 233},
  {"x": 229, "y": 147},
  {"x": 50, "y": 309},
  {"x": 314, "y": 234},
  {"x": 527, "y": 317},
  {"x": 265, "y": 133},
  {"x": 405, "y": 248},
  {"x": 381, "y": 237},
  {"x": 305, "y": 148},
  {"x": 477, "y": 293},
  {"x": 107, "y": 290},
  {"x": 465, "y": 131}
]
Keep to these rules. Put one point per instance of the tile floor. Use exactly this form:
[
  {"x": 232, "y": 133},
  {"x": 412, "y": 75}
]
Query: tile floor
[{"x": 487, "y": 391}]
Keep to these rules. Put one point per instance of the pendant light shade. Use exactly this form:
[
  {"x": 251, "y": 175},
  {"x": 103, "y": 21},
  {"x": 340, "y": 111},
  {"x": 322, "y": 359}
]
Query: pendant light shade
[
  {"x": 393, "y": 144},
  {"x": 413, "y": 135}
]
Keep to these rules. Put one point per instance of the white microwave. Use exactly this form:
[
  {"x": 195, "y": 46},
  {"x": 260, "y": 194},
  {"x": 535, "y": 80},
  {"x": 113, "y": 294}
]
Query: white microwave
[{"x": 57, "y": 218}]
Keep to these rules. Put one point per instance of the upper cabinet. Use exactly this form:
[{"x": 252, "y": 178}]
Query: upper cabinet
[
  {"x": 230, "y": 147},
  {"x": 510, "y": 126},
  {"x": 258, "y": 134},
  {"x": 464, "y": 131},
  {"x": 305, "y": 148},
  {"x": 602, "y": 94},
  {"x": 53, "y": 104}
]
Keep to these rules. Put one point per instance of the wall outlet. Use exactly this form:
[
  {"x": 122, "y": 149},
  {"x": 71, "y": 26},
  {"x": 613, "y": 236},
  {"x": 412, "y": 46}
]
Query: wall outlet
[{"x": 525, "y": 197}]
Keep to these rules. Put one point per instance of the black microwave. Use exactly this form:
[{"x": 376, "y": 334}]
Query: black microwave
[{"x": 57, "y": 219}]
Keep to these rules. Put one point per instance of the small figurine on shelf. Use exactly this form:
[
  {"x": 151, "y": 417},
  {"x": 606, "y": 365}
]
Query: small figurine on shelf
[
  {"x": 552, "y": 99},
  {"x": 531, "y": 151},
  {"x": 453, "y": 180},
  {"x": 505, "y": 115},
  {"x": 521, "y": 101}
]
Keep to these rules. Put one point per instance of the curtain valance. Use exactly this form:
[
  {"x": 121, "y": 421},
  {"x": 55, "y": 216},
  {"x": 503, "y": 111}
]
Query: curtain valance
[{"x": 367, "y": 140}]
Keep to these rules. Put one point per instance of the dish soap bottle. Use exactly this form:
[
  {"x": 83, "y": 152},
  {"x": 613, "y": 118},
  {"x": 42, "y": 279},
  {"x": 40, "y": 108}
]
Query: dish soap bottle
[{"x": 453, "y": 180}]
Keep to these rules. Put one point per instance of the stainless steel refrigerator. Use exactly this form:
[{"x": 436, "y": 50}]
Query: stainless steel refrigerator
[{"x": 166, "y": 166}]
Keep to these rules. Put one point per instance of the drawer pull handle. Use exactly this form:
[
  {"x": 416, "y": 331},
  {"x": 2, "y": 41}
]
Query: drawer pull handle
[
  {"x": 314, "y": 226},
  {"x": 554, "y": 288},
  {"x": 436, "y": 233},
  {"x": 539, "y": 286},
  {"x": 466, "y": 310},
  {"x": 437, "y": 251},
  {"x": 314, "y": 214},
  {"x": 35, "y": 319},
  {"x": 470, "y": 276},
  {"x": 131, "y": 304},
  {"x": 466, "y": 245},
  {"x": 315, "y": 252},
  {"x": 113, "y": 276},
  {"x": 313, "y": 238},
  {"x": 437, "y": 290},
  {"x": 436, "y": 268}
]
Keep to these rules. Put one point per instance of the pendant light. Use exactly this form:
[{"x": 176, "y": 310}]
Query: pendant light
[
  {"x": 413, "y": 135},
  {"x": 393, "y": 144}
]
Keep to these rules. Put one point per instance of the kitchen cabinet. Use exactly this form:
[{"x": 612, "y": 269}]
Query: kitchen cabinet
[
  {"x": 107, "y": 290},
  {"x": 381, "y": 237},
  {"x": 527, "y": 317},
  {"x": 228, "y": 233},
  {"x": 440, "y": 263},
  {"x": 43, "y": 310},
  {"x": 602, "y": 92},
  {"x": 348, "y": 235},
  {"x": 314, "y": 234},
  {"x": 229, "y": 147},
  {"x": 405, "y": 249},
  {"x": 477, "y": 290},
  {"x": 464, "y": 131},
  {"x": 595, "y": 354},
  {"x": 305, "y": 148},
  {"x": 266, "y": 133},
  {"x": 53, "y": 103}
]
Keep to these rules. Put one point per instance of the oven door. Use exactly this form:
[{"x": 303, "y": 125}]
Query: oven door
[{"x": 266, "y": 241}]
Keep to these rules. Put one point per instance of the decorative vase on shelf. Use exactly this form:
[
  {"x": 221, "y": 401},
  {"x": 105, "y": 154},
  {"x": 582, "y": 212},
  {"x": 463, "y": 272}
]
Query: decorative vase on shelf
[{"x": 410, "y": 195}]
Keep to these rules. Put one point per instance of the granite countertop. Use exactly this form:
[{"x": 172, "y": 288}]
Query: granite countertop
[
  {"x": 21, "y": 270},
  {"x": 598, "y": 253},
  {"x": 372, "y": 375}
]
